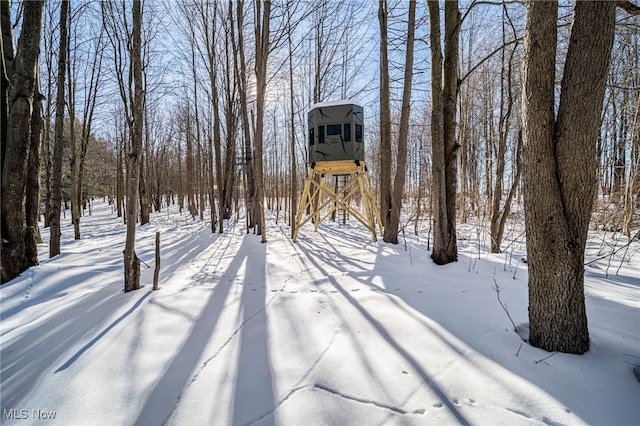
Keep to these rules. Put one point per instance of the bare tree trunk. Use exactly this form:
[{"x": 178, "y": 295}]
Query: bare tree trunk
[
  {"x": 6, "y": 51},
  {"x": 244, "y": 114},
  {"x": 217, "y": 143},
  {"x": 87, "y": 121},
  {"x": 58, "y": 147},
  {"x": 201, "y": 174},
  {"x": 50, "y": 38},
  {"x": 88, "y": 114},
  {"x": 18, "y": 139},
  {"x": 32, "y": 199},
  {"x": 262, "y": 54},
  {"x": 131, "y": 261},
  {"x": 499, "y": 213},
  {"x": 6, "y": 47},
  {"x": 632, "y": 173},
  {"x": 145, "y": 206},
  {"x": 385, "y": 118},
  {"x": 120, "y": 176},
  {"x": 561, "y": 164},
  {"x": 292, "y": 134},
  {"x": 145, "y": 190},
  {"x": 191, "y": 202},
  {"x": 199, "y": 168},
  {"x": 211, "y": 181},
  {"x": 465, "y": 141},
  {"x": 76, "y": 190},
  {"x": 444, "y": 92},
  {"x": 391, "y": 228}
]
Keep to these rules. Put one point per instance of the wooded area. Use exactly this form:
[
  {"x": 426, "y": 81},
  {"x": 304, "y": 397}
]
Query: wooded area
[{"x": 475, "y": 111}]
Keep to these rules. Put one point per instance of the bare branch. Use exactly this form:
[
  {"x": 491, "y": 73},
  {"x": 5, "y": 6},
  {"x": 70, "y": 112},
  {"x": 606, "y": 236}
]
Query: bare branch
[
  {"x": 492, "y": 3},
  {"x": 628, "y": 7},
  {"x": 486, "y": 58}
]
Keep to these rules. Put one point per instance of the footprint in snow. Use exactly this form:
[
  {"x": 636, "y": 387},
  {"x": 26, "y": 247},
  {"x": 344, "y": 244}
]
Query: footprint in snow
[{"x": 438, "y": 405}]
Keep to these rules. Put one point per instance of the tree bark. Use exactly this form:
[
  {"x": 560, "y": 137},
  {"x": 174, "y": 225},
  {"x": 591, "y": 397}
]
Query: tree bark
[
  {"x": 18, "y": 140},
  {"x": 59, "y": 142},
  {"x": 32, "y": 199},
  {"x": 385, "y": 118},
  {"x": 561, "y": 164},
  {"x": 131, "y": 261},
  {"x": 145, "y": 204},
  {"x": 6, "y": 50},
  {"x": 444, "y": 92}
]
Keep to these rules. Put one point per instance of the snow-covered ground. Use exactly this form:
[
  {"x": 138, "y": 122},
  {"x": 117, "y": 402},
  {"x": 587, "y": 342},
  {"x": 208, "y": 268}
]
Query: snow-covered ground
[{"x": 333, "y": 329}]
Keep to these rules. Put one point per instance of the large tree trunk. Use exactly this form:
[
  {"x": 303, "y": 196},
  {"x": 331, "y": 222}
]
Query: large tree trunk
[
  {"x": 18, "y": 140},
  {"x": 391, "y": 228},
  {"x": 32, "y": 199},
  {"x": 58, "y": 145},
  {"x": 6, "y": 50},
  {"x": 131, "y": 261},
  {"x": 444, "y": 92},
  {"x": 385, "y": 118},
  {"x": 561, "y": 164}
]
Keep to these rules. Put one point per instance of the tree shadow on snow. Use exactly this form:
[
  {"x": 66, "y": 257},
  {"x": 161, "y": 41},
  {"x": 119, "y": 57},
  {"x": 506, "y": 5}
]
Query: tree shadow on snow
[
  {"x": 26, "y": 359},
  {"x": 318, "y": 258},
  {"x": 427, "y": 309},
  {"x": 254, "y": 387}
]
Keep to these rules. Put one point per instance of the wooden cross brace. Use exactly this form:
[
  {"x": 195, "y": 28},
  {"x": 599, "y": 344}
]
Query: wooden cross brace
[{"x": 322, "y": 200}]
